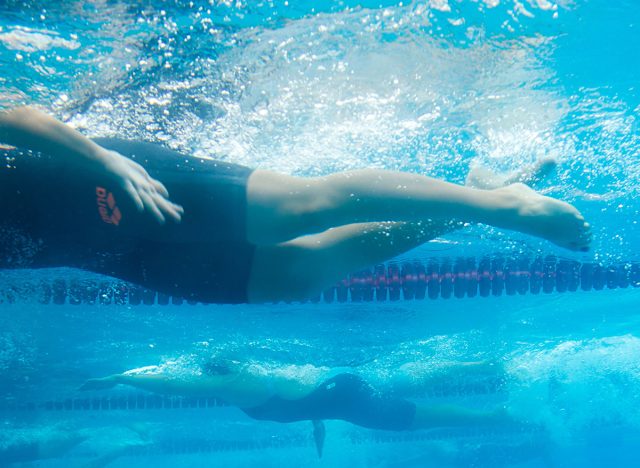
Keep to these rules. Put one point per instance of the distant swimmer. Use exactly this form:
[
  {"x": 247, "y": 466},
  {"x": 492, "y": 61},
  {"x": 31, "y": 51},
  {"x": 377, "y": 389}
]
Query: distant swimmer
[
  {"x": 308, "y": 393},
  {"x": 229, "y": 233},
  {"x": 22, "y": 443},
  {"x": 25, "y": 447}
]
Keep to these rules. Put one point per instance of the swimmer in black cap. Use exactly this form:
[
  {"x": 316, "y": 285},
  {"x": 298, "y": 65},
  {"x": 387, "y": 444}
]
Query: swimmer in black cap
[{"x": 217, "y": 232}]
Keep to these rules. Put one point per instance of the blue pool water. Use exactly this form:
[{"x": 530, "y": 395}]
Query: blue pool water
[{"x": 311, "y": 88}]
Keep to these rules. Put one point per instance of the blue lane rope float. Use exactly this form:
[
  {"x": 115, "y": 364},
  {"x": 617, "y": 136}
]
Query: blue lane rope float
[
  {"x": 177, "y": 445},
  {"x": 437, "y": 278},
  {"x": 148, "y": 401},
  {"x": 185, "y": 445},
  {"x": 130, "y": 402}
]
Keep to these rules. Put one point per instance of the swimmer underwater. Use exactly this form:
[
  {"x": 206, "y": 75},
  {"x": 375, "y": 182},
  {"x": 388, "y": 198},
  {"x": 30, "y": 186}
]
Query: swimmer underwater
[
  {"x": 217, "y": 232},
  {"x": 318, "y": 394}
]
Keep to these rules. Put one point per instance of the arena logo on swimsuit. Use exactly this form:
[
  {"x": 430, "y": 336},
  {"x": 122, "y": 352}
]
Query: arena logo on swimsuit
[{"x": 109, "y": 211}]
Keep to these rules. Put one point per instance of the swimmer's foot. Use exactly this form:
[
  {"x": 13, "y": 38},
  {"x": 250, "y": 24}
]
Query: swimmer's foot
[
  {"x": 103, "y": 383},
  {"x": 482, "y": 178},
  {"x": 544, "y": 217}
]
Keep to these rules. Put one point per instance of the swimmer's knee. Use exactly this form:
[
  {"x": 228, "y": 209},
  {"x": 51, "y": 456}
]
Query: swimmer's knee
[{"x": 281, "y": 207}]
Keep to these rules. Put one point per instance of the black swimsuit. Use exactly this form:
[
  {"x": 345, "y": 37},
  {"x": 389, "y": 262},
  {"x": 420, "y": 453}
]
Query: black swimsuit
[
  {"x": 55, "y": 215},
  {"x": 346, "y": 397}
]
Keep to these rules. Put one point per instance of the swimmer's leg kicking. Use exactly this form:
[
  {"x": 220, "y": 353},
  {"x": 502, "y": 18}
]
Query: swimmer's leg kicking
[
  {"x": 302, "y": 267},
  {"x": 282, "y": 207}
]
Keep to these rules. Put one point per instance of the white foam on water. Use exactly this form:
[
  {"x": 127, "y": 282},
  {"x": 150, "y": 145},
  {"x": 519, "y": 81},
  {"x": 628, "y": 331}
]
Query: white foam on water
[{"x": 575, "y": 384}]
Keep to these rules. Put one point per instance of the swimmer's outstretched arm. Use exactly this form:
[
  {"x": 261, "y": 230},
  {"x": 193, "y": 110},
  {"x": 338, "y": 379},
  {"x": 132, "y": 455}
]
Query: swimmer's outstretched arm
[
  {"x": 159, "y": 383},
  {"x": 29, "y": 128}
]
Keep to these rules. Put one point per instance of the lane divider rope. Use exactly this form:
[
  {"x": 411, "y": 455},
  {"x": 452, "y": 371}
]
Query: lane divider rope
[{"x": 442, "y": 278}]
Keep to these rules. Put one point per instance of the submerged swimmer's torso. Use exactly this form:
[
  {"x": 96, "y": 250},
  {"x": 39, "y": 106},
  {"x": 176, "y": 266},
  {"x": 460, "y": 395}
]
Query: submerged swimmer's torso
[
  {"x": 344, "y": 396},
  {"x": 54, "y": 214}
]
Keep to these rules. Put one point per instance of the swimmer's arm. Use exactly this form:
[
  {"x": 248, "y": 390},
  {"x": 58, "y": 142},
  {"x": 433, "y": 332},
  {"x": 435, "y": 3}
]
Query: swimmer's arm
[
  {"x": 158, "y": 383},
  {"x": 26, "y": 127},
  {"x": 29, "y": 128}
]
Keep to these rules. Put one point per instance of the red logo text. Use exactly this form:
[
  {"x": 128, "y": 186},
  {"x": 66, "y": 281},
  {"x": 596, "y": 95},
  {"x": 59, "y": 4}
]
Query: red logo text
[{"x": 107, "y": 208}]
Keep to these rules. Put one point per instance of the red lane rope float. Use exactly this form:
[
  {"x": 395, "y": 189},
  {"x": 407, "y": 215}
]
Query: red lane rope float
[{"x": 437, "y": 278}]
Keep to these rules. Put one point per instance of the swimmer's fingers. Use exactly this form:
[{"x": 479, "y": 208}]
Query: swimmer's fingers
[
  {"x": 156, "y": 184},
  {"x": 133, "y": 193},
  {"x": 130, "y": 175},
  {"x": 161, "y": 208},
  {"x": 147, "y": 193},
  {"x": 159, "y": 196},
  {"x": 98, "y": 384},
  {"x": 155, "y": 198},
  {"x": 150, "y": 205},
  {"x": 169, "y": 208},
  {"x": 159, "y": 186},
  {"x": 157, "y": 204}
]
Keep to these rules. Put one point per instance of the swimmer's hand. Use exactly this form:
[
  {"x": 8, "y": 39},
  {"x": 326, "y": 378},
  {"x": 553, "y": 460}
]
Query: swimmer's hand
[
  {"x": 32, "y": 129},
  {"x": 103, "y": 383},
  {"x": 148, "y": 194}
]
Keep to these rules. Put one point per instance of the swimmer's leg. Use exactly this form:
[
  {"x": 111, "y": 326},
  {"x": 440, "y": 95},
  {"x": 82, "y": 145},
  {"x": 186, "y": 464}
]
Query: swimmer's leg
[
  {"x": 122, "y": 446},
  {"x": 303, "y": 267},
  {"x": 428, "y": 417},
  {"x": 281, "y": 207},
  {"x": 59, "y": 443},
  {"x": 482, "y": 178},
  {"x": 419, "y": 377}
]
